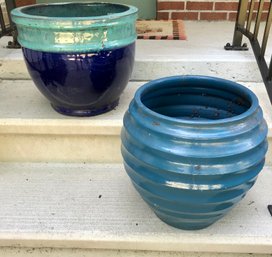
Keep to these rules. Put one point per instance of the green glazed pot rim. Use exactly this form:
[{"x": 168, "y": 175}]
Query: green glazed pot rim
[
  {"x": 19, "y": 12},
  {"x": 75, "y": 27},
  {"x": 233, "y": 86}
]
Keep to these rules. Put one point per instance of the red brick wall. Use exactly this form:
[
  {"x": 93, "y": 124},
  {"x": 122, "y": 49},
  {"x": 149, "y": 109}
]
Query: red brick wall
[
  {"x": 202, "y": 10},
  {"x": 192, "y": 10},
  {"x": 24, "y": 2}
]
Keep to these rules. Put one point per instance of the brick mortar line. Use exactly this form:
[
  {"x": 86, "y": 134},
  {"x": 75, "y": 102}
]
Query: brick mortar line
[
  {"x": 192, "y": 11},
  {"x": 211, "y": 11}
]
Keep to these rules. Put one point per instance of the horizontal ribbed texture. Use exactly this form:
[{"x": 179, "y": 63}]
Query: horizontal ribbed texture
[{"x": 193, "y": 146}]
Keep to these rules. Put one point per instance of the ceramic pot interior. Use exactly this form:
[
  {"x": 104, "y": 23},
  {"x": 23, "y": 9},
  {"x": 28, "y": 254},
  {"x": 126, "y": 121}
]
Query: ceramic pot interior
[
  {"x": 75, "y": 10},
  {"x": 197, "y": 100}
]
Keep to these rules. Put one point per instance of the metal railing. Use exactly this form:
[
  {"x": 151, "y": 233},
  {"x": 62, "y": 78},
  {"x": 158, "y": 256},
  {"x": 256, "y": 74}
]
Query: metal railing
[
  {"x": 243, "y": 27},
  {"x": 7, "y": 27}
]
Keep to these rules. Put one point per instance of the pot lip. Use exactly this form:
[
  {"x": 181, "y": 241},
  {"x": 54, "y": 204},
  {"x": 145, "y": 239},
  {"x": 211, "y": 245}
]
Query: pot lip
[
  {"x": 156, "y": 83},
  {"x": 18, "y": 12}
]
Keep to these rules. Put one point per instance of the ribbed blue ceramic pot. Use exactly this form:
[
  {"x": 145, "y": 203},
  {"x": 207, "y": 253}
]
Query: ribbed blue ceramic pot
[
  {"x": 79, "y": 55},
  {"x": 193, "y": 146}
]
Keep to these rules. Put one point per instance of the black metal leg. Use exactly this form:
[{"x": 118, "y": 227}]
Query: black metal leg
[
  {"x": 259, "y": 49},
  {"x": 240, "y": 22}
]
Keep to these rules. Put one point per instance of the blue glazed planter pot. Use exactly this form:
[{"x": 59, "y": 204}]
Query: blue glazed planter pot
[
  {"x": 79, "y": 55},
  {"x": 193, "y": 146}
]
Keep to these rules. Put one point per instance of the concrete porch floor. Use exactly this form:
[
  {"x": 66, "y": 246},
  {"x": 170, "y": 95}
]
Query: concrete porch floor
[{"x": 202, "y": 53}]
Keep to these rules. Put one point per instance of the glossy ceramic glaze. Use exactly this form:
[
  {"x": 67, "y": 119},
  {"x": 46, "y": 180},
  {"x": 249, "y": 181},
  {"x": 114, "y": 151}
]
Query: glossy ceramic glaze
[
  {"x": 81, "y": 84},
  {"x": 193, "y": 146},
  {"x": 80, "y": 55},
  {"x": 75, "y": 27}
]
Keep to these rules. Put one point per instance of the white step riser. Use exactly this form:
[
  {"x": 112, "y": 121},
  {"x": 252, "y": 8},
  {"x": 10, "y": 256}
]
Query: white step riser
[
  {"x": 68, "y": 148},
  {"x": 60, "y": 148}
]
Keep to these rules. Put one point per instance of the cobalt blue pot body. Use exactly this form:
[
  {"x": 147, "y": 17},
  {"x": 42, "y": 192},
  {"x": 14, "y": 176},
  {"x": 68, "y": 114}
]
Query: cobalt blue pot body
[
  {"x": 79, "y": 55},
  {"x": 81, "y": 84},
  {"x": 193, "y": 146}
]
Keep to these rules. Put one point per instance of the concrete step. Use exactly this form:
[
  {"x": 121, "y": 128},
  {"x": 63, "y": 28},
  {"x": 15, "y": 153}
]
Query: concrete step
[
  {"x": 94, "y": 206},
  {"x": 56, "y": 252},
  {"x": 32, "y": 131},
  {"x": 202, "y": 53},
  {"x": 53, "y": 168},
  {"x": 60, "y": 252}
]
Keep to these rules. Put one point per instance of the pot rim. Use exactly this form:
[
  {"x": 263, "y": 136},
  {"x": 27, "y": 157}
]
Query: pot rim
[
  {"x": 76, "y": 34},
  {"x": 18, "y": 12},
  {"x": 154, "y": 84}
]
